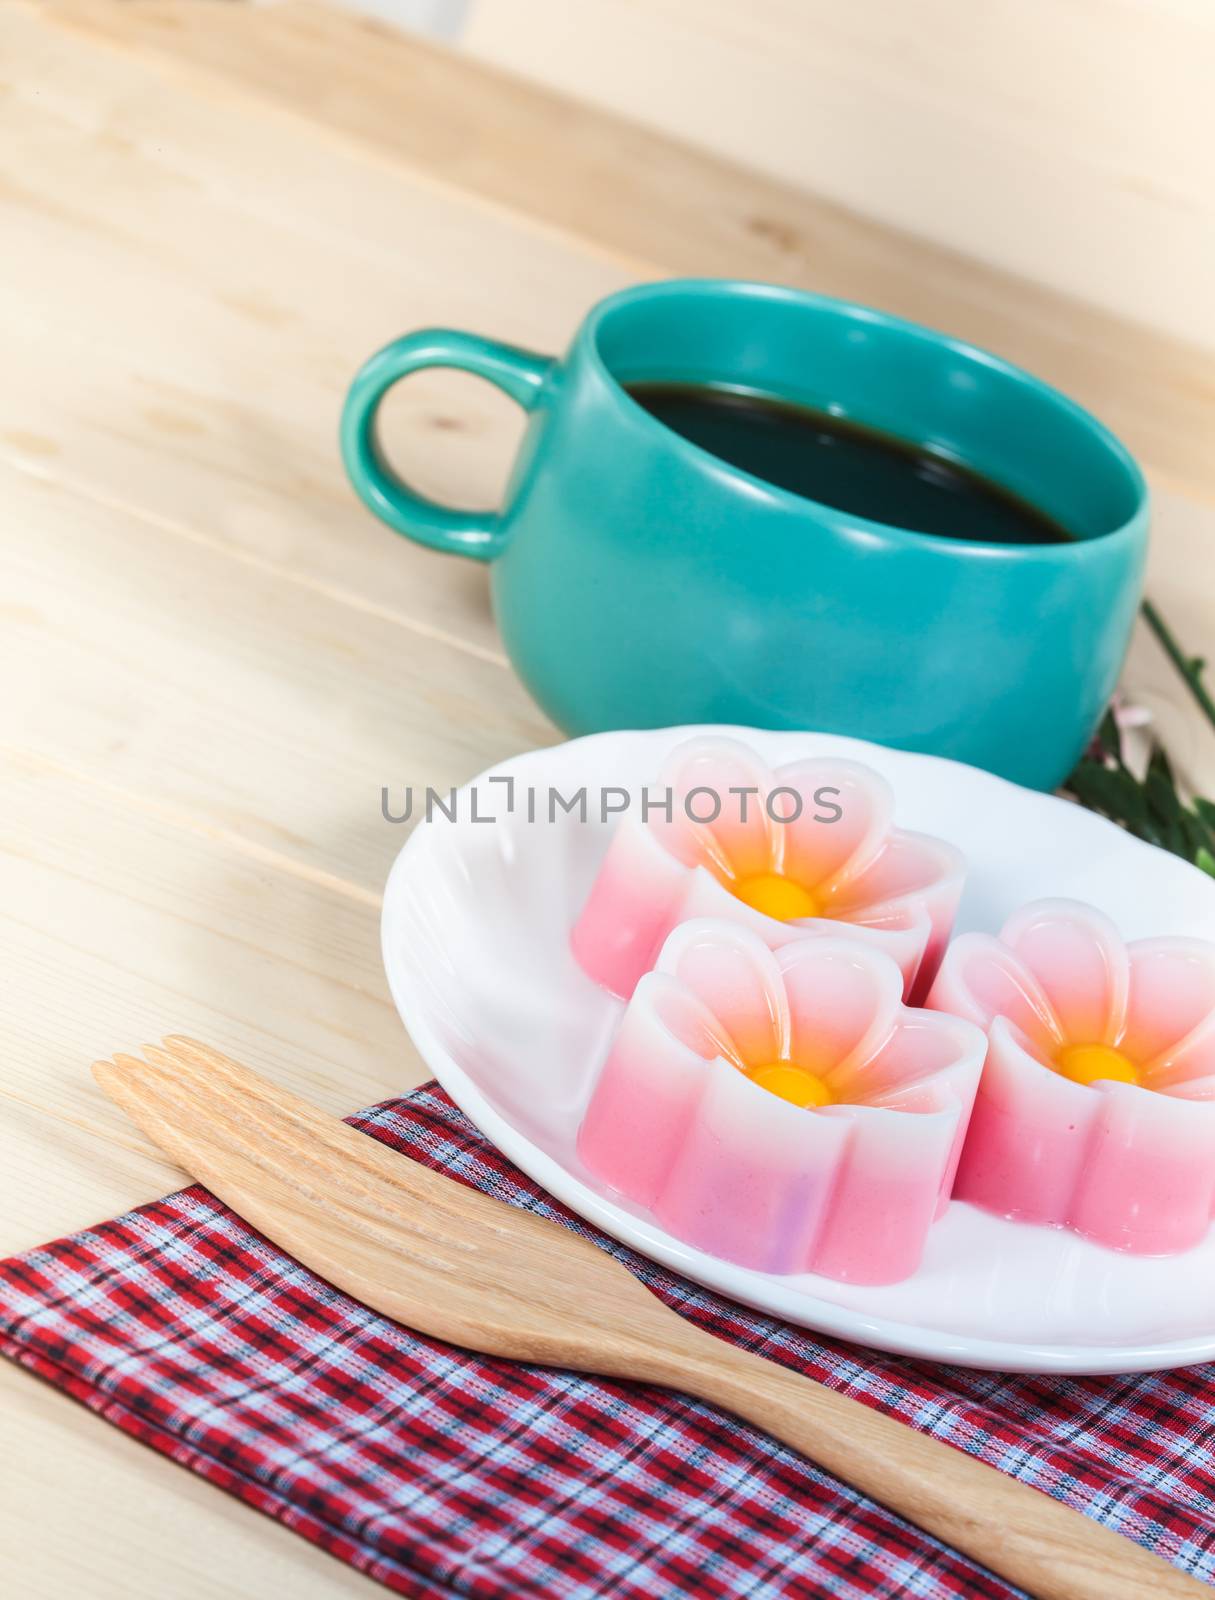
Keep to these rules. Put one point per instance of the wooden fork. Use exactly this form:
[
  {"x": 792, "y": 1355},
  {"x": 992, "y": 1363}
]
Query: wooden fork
[{"x": 459, "y": 1266}]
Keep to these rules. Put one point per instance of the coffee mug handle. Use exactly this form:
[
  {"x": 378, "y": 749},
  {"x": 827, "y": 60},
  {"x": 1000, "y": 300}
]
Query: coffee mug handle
[{"x": 519, "y": 373}]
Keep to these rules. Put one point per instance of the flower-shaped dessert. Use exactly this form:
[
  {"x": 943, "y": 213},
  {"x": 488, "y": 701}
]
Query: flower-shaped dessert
[
  {"x": 783, "y": 1109},
  {"x": 1096, "y": 1110},
  {"x": 799, "y": 850}
]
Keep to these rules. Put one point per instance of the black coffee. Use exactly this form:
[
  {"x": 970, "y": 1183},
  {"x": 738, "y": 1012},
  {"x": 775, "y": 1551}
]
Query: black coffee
[{"x": 846, "y": 465}]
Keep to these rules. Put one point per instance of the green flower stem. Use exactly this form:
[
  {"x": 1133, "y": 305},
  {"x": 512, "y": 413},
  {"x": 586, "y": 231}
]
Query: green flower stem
[{"x": 1190, "y": 669}]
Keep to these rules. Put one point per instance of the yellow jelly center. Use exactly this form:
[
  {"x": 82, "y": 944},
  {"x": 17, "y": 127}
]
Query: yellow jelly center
[
  {"x": 1093, "y": 1063},
  {"x": 775, "y": 896},
  {"x": 792, "y": 1083}
]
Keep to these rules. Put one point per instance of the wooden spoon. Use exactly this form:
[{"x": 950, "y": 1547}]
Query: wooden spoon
[{"x": 459, "y": 1266}]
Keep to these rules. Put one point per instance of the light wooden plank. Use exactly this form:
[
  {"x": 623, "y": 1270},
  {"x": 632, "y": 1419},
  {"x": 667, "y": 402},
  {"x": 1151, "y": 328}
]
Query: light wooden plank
[
  {"x": 654, "y": 203},
  {"x": 1068, "y": 140},
  {"x": 271, "y": 712},
  {"x": 239, "y": 269},
  {"x": 122, "y": 926},
  {"x": 60, "y": 1176}
]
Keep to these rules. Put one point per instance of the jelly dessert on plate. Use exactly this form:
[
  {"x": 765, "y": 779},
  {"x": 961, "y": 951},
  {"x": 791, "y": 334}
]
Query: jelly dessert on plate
[
  {"x": 1096, "y": 1110},
  {"x": 783, "y": 1109},
  {"x": 809, "y": 848}
]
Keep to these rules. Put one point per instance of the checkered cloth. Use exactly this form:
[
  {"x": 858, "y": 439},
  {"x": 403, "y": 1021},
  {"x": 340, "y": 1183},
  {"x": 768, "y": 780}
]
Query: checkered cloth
[{"x": 441, "y": 1473}]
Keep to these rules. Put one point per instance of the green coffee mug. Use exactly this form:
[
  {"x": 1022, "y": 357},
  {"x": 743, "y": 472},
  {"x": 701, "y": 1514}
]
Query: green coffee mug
[{"x": 639, "y": 581}]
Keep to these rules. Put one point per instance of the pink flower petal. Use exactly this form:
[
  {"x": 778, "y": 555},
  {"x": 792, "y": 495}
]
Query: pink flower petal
[
  {"x": 1191, "y": 1059},
  {"x": 1172, "y": 990},
  {"x": 905, "y": 865},
  {"x": 1078, "y": 957},
  {"x": 912, "y": 874},
  {"x": 980, "y": 979},
  {"x": 737, "y": 841},
  {"x": 1197, "y": 1088},
  {"x": 731, "y": 971},
  {"x": 845, "y": 813},
  {"x": 687, "y": 1018},
  {"x": 911, "y": 1066},
  {"x": 843, "y": 998}
]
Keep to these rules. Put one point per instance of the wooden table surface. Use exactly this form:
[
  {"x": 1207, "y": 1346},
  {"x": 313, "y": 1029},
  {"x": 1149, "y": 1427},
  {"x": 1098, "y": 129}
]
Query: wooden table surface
[{"x": 213, "y": 659}]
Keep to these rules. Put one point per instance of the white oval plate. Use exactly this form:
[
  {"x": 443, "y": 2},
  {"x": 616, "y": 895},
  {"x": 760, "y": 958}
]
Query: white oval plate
[{"x": 476, "y": 924}]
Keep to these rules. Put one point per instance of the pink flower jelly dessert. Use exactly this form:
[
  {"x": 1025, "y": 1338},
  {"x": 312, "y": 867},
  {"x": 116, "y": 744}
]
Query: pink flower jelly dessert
[
  {"x": 1096, "y": 1109},
  {"x": 807, "y": 849},
  {"x": 783, "y": 1109}
]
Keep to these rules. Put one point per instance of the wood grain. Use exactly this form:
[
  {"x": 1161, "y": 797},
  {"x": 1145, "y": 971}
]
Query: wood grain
[
  {"x": 652, "y": 204},
  {"x": 460, "y": 1266},
  {"x": 1001, "y": 130},
  {"x": 268, "y": 711},
  {"x": 122, "y": 919},
  {"x": 241, "y": 266}
]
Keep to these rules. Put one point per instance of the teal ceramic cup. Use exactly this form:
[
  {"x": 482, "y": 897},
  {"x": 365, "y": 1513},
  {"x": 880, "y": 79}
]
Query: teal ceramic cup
[{"x": 640, "y": 581}]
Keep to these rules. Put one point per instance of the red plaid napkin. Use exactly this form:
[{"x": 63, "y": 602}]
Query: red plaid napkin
[{"x": 442, "y": 1474}]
